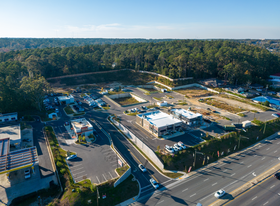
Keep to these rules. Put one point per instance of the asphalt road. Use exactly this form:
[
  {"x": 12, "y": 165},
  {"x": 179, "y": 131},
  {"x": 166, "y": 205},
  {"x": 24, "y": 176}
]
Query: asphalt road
[
  {"x": 265, "y": 194},
  {"x": 229, "y": 174}
]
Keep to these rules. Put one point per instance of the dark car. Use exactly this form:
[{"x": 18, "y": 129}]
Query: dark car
[{"x": 277, "y": 176}]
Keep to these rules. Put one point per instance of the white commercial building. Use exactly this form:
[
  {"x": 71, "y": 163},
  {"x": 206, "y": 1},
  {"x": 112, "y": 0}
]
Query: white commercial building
[
  {"x": 190, "y": 118},
  {"x": 159, "y": 123},
  {"x": 66, "y": 99},
  {"x": 8, "y": 117},
  {"x": 82, "y": 127}
]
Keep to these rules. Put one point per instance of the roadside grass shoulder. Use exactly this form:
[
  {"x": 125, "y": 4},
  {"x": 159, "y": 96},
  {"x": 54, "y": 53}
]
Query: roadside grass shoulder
[
  {"x": 158, "y": 99},
  {"x": 78, "y": 114},
  {"x": 122, "y": 170},
  {"x": 241, "y": 114}
]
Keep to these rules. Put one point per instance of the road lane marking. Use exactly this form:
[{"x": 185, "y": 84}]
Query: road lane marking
[
  {"x": 241, "y": 162},
  {"x": 145, "y": 187},
  {"x": 254, "y": 197},
  {"x": 267, "y": 148},
  {"x": 232, "y": 174},
  {"x": 263, "y": 158},
  {"x": 254, "y": 174},
  {"x": 80, "y": 176},
  {"x": 275, "y": 151},
  {"x": 104, "y": 177},
  {"x": 266, "y": 203},
  {"x": 111, "y": 175},
  {"x": 185, "y": 190},
  {"x": 272, "y": 186},
  {"x": 255, "y": 155},
  {"x": 249, "y": 166},
  {"x": 160, "y": 202},
  {"x": 205, "y": 180},
  {"x": 225, "y": 170},
  {"x": 278, "y": 143},
  {"x": 76, "y": 165},
  {"x": 193, "y": 195},
  {"x": 77, "y": 169},
  {"x": 78, "y": 172},
  {"x": 215, "y": 183},
  {"x": 97, "y": 179}
]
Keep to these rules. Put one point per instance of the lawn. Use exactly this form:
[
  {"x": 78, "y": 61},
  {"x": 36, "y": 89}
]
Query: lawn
[
  {"x": 68, "y": 110},
  {"x": 223, "y": 105},
  {"x": 122, "y": 170},
  {"x": 126, "y": 101},
  {"x": 78, "y": 114},
  {"x": 169, "y": 96}
]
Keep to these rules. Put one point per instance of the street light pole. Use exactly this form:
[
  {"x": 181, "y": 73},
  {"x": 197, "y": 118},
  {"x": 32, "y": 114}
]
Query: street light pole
[{"x": 194, "y": 158}]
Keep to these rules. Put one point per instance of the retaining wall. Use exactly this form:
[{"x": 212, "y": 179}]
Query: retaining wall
[
  {"x": 141, "y": 145},
  {"x": 123, "y": 177},
  {"x": 116, "y": 96}
]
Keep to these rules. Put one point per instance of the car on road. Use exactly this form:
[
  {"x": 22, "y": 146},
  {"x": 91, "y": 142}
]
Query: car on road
[
  {"x": 276, "y": 115},
  {"x": 219, "y": 193},
  {"x": 27, "y": 174},
  {"x": 178, "y": 147},
  {"x": 169, "y": 149},
  {"x": 142, "y": 168},
  {"x": 154, "y": 183},
  {"x": 71, "y": 157},
  {"x": 181, "y": 144},
  {"x": 277, "y": 176}
]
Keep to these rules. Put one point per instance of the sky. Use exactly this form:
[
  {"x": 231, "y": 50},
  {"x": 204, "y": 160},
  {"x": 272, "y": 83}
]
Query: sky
[{"x": 153, "y": 19}]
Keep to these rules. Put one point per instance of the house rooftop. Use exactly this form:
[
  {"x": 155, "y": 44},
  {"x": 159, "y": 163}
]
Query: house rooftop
[
  {"x": 186, "y": 113},
  {"x": 159, "y": 119}
]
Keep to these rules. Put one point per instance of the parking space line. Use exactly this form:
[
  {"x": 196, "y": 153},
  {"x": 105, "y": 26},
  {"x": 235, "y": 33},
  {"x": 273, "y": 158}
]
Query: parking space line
[
  {"x": 80, "y": 176},
  {"x": 104, "y": 177},
  {"x": 76, "y": 165},
  {"x": 77, "y": 169},
  {"x": 78, "y": 172},
  {"x": 97, "y": 179},
  {"x": 111, "y": 175}
]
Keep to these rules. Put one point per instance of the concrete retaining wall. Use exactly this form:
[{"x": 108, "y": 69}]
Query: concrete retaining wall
[
  {"x": 123, "y": 177},
  {"x": 139, "y": 99},
  {"x": 141, "y": 145},
  {"x": 116, "y": 96}
]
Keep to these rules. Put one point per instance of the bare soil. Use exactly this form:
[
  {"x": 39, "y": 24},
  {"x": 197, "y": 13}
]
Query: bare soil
[{"x": 194, "y": 92}]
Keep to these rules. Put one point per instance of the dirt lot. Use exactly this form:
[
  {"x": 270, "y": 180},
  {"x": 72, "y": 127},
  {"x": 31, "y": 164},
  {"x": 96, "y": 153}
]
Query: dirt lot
[
  {"x": 194, "y": 92},
  {"x": 126, "y": 101},
  {"x": 223, "y": 105},
  {"x": 206, "y": 114}
]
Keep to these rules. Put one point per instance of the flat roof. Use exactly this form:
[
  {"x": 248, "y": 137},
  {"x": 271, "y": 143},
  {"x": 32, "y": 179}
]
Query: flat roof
[
  {"x": 80, "y": 123},
  {"x": 18, "y": 159},
  {"x": 8, "y": 114},
  {"x": 12, "y": 132},
  {"x": 159, "y": 119},
  {"x": 63, "y": 98},
  {"x": 186, "y": 113},
  {"x": 4, "y": 146}
]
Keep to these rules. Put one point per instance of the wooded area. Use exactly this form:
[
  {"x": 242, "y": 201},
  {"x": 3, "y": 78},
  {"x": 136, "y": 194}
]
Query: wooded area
[{"x": 236, "y": 62}]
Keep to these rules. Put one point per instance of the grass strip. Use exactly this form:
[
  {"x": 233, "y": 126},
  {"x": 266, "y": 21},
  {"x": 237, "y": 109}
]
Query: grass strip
[{"x": 69, "y": 110}]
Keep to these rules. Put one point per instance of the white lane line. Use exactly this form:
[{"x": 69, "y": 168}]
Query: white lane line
[
  {"x": 215, "y": 183},
  {"x": 205, "y": 180},
  {"x": 111, "y": 175},
  {"x": 272, "y": 186},
  {"x": 266, "y": 203},
  {"x": 97, "y": 179},
  {"x": 249, "y": 166},
  {"x": 263, "y": 158},
  {"x": 76, "y": 165},
  {"x": 225, "y": 170},
  {"x": 80, "y": 176},
  {"x": 160, "y": 202},
  {"x": 241, "y": 162},
  {"x": 165, "y": 182},
  {"x": 145, "y": 187},
  {"x": 232, "y": 174},
  {"x": 193, "y": 195},
  {"x": 254, "y": 197},
  {"x": 104, "y": 177},
  {"x": 267, "y": 148},
  {"x": 77, "y": 169},
  {"x": 78, "y": 172},
  {"x": 185, "y": 190},
  {"x": 275, "y": 151}
]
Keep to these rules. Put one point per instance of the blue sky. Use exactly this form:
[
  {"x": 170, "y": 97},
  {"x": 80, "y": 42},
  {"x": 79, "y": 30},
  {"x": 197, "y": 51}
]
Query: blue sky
[{"x": 182, "y": 19}]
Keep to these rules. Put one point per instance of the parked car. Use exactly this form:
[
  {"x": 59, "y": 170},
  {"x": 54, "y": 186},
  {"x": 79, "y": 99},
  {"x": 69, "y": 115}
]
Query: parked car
[
  {"x": 220, "y": 193},
  {"x": 56, "y": 110},
  {"x": 175, "y": 149},
  {"x": 169, "y": 149},
  {"x": 152, "y": 109},
  {"x": 181, "y": 144},
  {"x": 144, "y": 107},
  {"x": 71, "y": 157},
  {"x": 27, "y": 174},
  {"x": 277, "y": 176},
  {"x": 276, "y": 115},
  {"x": 178, "y": 147},
  {"x": 142, "y": 168},
  {"x": 154, "y": 183}
]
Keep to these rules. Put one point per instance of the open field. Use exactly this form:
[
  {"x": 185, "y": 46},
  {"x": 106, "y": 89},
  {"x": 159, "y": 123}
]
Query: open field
[
  {"x": 223, "y": 105},
  {"x": 206, "y": 114},
  {"x": 194, "y": 92},
  {"x": 126, "y": 101}
]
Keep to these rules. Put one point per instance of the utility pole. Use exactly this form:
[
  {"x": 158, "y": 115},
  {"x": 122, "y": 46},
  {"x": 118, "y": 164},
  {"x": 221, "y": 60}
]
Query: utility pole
[
  {"x": 97, "y": 194},
  {"x": 194, "y": 158},
  {"x": 264, "y": 127}
]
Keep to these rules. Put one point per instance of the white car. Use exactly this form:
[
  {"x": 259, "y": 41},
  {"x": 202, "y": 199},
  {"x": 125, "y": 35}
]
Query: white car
[
  {"x": 142, "y": 168},
  {"x": 27, "y": 174},
  {"x": 177, "y": 147},
  {"x": 181, "y": 144},
  {"x": 154, "y": 183},
  {"x": 220, "y": 193},
  {"x": 71, "y": 157},
  {"x": 169, "y": 149}
]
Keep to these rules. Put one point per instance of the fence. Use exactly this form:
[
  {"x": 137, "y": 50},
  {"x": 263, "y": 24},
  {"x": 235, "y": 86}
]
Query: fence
[
  {"x": 123, "y": 177},
  {"x": 141, "y": 145}
]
